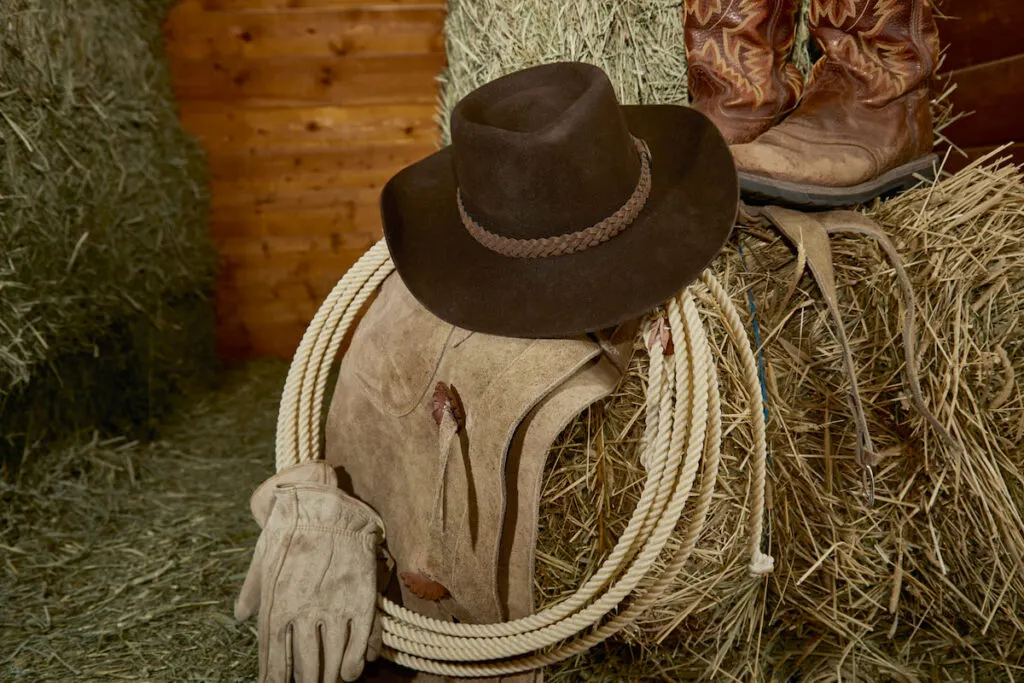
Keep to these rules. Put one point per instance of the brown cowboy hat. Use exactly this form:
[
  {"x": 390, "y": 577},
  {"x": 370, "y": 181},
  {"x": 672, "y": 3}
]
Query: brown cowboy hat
[{"x": 557, "y": 211}]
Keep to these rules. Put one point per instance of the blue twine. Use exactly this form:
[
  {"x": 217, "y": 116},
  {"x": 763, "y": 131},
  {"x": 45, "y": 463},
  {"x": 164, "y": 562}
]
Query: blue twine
[{"x": 757, "y": 343}]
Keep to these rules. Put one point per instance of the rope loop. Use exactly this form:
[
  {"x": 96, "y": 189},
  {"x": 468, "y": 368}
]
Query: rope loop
[{"x": 683, "y": 437}]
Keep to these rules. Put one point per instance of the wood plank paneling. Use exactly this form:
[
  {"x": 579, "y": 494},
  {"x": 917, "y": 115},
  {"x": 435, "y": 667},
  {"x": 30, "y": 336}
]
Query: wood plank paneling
[
  {"x": 400, "y": 79},
  {"x": 254, "y": 221},
  {"x": 240, "y": 199},
  {"x": 264, "y": 310},
  {"x": 302, "y": 190},
  {"x": 282, "y": 250},
  {"x": 1015, "y": 152},
  {"x": 316, "y": 277},
  {"x": 995, "y": 92},
  {"x": 229, "y": 127},
  {"x": 322, "y": 33},
  {"x": 979, "y": 31},
  {"x": 305, "y": 108},
  {"x": 304, "y": 165},
  {"x": 299, "y": 192}
]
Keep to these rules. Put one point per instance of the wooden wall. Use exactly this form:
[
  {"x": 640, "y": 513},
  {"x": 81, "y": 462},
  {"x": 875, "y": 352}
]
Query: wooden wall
[
  {"x": 305, "y": 108},
  {"x": 984, "y": 42}
]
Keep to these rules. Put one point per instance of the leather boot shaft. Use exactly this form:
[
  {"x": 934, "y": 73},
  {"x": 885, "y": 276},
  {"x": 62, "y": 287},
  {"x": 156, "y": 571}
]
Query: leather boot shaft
[
  {"x": 863, "y": 126},
  {"x": 738, "y": 69},
  {"x": 884, "y": 52},
  {"x": 884, "y": 48}
]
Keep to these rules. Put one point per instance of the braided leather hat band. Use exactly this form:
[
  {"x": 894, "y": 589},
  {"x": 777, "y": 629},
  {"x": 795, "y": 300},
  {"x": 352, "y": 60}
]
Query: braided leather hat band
[{"x": 572, "y": 242}]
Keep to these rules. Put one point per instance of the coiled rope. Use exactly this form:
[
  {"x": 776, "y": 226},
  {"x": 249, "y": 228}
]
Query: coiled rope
[{"x": 684, "y": 429}]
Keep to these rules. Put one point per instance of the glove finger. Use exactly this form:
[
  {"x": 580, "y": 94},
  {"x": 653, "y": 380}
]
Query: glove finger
[
  {"x": 248, "y": 602},
  {"x": 333, "y": 635},
  {"x": 355, "y": 650},
  {"x": 279, "y": 656},
  {"x": 305, "y": 648},
  {"x": 373, "y": 647}
]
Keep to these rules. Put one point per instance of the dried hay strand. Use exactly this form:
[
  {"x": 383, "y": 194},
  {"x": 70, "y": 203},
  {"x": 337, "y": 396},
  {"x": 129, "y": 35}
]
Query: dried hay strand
[
  {"x": 103, "y": 215},
  {"x": 928, "y": 579},
  {"x": 121, "y": 560}
]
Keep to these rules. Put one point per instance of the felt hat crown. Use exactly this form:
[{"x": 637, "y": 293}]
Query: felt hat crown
[{"x": 556, "y": 210}]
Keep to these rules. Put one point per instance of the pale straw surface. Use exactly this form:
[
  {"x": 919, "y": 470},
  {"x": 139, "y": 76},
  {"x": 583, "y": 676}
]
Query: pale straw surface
[
  {"x": 926, "y": 584},
  {"x": 928, "y": 579}
]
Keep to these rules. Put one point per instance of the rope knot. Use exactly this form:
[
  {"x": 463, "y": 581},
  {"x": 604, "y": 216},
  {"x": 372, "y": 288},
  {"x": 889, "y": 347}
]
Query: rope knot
[{"x": 761, "y": 564}]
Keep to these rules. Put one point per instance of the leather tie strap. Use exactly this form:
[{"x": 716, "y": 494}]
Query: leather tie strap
[
  {"x": 572, "y": 242},
  {"x": 810, "y": 234}
]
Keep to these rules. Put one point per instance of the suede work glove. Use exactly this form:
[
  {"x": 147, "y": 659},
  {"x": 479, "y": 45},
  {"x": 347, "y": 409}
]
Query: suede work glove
[{"x": 313, "y": 578}]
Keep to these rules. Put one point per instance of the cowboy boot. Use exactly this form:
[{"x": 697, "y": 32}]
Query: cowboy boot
[
  {"x": 863, "y": 127},
  {"x": 738, "y": 69}
]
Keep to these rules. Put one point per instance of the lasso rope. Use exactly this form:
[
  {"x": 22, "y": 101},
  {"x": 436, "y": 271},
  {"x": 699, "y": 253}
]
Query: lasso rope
[{"x": 683, "y": 429}]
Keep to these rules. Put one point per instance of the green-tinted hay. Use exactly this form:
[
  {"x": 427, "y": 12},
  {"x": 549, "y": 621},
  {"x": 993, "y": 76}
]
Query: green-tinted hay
[
  {"x": 122, "y": 560},
  {"x": 639, "y": 44},
  {"x": 103, "y": 207},
  {"x": 122, "y": 383}
]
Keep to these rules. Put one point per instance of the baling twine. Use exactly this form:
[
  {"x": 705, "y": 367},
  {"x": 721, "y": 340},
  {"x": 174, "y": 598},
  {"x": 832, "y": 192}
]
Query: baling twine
[{"x": 684, "y": 429}]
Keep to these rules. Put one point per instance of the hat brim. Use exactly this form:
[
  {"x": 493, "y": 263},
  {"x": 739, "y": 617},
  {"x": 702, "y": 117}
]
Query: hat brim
[{"x": 686, "y": 221}]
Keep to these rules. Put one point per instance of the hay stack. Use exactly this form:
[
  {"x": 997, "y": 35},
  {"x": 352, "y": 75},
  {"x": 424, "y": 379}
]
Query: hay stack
[
  {"x": 927, "y": 582},
  {"x": 929, "y": 577},
  {"x": 102, "y": 220}
]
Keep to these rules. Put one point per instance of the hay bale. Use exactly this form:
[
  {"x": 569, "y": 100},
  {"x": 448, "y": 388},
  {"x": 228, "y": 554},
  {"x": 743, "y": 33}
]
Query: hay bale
[
  {"x": 102, "y": 216},
  {"x": 925, "y": 579},
  {"x": 928, "y": 579},
  {"x": 922, "y": 584},
  {"x": 639, "y": 43}
]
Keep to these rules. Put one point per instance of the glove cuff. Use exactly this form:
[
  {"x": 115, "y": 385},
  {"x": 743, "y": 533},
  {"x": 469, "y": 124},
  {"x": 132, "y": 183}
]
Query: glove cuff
[{"x": 311, "y": 472}]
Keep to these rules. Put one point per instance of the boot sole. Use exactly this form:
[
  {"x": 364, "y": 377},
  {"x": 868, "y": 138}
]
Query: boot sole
[{"x": 757, "y": 189}]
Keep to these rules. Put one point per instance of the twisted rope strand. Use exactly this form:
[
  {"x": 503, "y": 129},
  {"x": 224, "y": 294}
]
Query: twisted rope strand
[
  {"x": 760, "y": 563},
  {"x": 287, "y": 444}
]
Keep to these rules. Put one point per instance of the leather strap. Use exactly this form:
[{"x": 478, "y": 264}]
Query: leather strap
[
  {"x": 857, "y": 223},
  {"x": 810, "y": 233}
]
